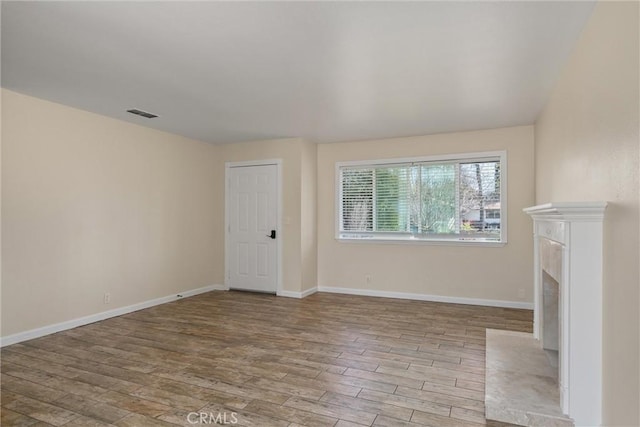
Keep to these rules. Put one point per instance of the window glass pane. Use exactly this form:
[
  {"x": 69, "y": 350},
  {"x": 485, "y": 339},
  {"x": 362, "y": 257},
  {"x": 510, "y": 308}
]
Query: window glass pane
[
  {"x": 357, "y": 200},
  {"x": 392, "y": 198},
  {"x": 438, "y": 199},
  {"x": 480, "y": 197}
]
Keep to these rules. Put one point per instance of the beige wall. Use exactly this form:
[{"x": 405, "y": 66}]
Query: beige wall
[
  {"x": 93, "y": 205},
  {"x": 309, "y": 198},
  {"x": 298, "y": 157},
  {"x": 1, "y": 96},
  {"x": 587, "y": 149},
  {"x": 494, "y": 273}
]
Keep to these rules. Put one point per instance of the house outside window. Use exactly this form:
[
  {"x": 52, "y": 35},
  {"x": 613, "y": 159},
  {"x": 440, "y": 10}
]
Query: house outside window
[{"x": 445, "y": 199}]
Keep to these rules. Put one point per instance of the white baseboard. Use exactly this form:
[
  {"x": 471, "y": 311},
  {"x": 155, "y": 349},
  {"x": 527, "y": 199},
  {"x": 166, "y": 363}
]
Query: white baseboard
[
  {"x": 309, "y": 292},
  {"x": 426, "y": 297},
  {"x": 81, "y": 321},
  {"x": 293, "y": 294}
]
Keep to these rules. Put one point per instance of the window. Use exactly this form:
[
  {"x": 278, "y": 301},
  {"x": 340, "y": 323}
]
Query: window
[{"x": 458, "y": 198}]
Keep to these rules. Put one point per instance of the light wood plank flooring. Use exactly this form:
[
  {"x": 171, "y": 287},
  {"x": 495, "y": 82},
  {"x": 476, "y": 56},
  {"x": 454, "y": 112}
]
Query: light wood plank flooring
[{"x": 326, "y": 360}]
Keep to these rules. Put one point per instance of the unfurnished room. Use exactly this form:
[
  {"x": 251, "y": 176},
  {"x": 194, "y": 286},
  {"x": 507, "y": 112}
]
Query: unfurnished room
[{"x": 319, "y": 213}]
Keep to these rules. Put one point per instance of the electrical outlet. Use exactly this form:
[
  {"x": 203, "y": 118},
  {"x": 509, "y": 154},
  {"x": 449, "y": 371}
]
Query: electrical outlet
[
  {"x": 107, "y": 298},
  {"x": 367, "y": 279},
  {"x": 521, "y": 293}
]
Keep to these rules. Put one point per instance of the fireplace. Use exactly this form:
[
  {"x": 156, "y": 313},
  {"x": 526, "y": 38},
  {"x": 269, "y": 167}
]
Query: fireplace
[{"x": 568, "y": 302}]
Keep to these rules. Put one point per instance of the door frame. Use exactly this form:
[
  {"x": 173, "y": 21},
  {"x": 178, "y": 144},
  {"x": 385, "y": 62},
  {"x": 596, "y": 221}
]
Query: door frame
[{"x": 266, "y": 162}]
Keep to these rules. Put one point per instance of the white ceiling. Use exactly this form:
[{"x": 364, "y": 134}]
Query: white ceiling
[{"x": 326, "y": 71}]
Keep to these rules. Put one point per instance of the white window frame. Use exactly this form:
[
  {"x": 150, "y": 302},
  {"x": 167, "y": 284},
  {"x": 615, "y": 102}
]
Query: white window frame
[{"x": 374, "y": 237}]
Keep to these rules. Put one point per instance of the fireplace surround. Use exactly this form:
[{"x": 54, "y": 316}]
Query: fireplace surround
[{"x": 568, "y": 256}]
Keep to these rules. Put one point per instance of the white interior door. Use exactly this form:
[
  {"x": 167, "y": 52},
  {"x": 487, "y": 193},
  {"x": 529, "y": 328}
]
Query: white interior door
[{"x": 252, "y": 231}]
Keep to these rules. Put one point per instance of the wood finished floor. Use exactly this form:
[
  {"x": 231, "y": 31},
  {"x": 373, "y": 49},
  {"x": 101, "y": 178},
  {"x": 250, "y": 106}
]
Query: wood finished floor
[{"x": 326, "y": 360}]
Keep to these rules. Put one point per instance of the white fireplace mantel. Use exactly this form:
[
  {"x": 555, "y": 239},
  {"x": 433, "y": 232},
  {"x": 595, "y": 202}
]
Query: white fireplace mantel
[
  {"x": 568, "y": 211},
  {"x": 576, "y": 228}
]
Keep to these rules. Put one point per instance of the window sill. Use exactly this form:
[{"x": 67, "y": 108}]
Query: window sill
[{"x": 415, "y": 241}]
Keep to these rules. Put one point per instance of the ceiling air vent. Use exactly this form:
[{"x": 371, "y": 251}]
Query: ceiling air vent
[{"x": 142, "y": 113}]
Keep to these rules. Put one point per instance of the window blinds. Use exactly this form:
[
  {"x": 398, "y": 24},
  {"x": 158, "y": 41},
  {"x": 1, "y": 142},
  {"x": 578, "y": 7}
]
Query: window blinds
[{"x": 450, "y": 198}]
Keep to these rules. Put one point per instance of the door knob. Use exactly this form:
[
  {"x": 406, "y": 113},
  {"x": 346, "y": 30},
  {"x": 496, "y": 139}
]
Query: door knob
[{"x": 272, "y": 235}]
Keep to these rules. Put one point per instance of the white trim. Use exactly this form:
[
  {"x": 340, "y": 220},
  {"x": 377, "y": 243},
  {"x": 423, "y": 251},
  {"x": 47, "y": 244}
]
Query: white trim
[
  {"x": 293, "y": 294},
  {"x": 437, "y": 158},
  {"x": 456, "y": 157},
  {"x": 281, "y": 231},
  {"x": 280, "y": 241},
  {"x": 81, "y": 321},
  {"x": 309, "y": 292},
  {"x": 570, "y": 211},
  {"x": 262, "y": 162},
  {"x": 436, "y": 242},
  {"x": 427, "y": 297}
]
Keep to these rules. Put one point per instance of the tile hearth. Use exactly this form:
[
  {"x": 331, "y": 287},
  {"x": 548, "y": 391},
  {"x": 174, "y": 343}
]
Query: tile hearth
[{"x": 521, "y": 383}]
